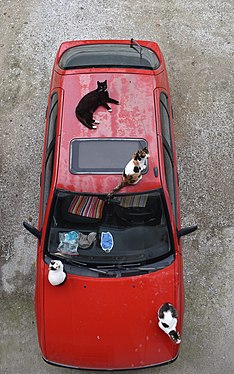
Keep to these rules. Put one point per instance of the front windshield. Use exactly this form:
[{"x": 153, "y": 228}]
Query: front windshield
[{"x": 128, "y": 229}]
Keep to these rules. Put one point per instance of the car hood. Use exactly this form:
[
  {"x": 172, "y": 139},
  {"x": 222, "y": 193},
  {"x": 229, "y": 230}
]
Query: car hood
[{"x": 101, "y": 323}]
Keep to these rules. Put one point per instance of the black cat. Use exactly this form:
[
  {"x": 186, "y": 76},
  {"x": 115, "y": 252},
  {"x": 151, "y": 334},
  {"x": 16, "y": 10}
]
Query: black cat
[{"x": 90, "y": 102}]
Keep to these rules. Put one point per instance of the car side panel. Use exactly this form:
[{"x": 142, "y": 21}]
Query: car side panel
[{"x": 40, "y": 265}]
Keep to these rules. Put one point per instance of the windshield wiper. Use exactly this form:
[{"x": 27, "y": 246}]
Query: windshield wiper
[
  {"x": 109, "y": 269},
  {"x": 133, "y": 42},
  {"x": 134, "y": 267},
  {"x": 82, "y": 264},
  {"x": 130, "y": 267}
]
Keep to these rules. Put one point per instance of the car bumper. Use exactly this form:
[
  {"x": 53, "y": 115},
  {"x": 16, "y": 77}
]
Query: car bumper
[{"x": 110, "y": 369}]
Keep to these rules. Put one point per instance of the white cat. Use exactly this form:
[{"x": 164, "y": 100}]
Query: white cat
[
  {"x": 56, "y": 275},
  {"x": 167, "y": 316}
]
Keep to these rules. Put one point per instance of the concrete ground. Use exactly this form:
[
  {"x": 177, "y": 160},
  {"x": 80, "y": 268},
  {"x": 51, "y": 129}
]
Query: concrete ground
[{"x": 197, "y": 41}]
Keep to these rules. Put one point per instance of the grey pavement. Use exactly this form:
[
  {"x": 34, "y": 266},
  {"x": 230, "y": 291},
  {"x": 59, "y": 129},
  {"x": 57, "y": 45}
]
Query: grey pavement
[{"x": 197, "y": 41}]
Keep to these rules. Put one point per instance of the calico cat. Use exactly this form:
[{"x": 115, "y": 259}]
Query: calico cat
[
  {"x": 167, "y": 316},
  {"x": 90, "y": 102},
  {"x": 132, "y": 172}
]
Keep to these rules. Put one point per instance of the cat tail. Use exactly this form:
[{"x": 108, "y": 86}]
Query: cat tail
[
  {"x": 82, "y": 120},
  {"x": 117, "y": 188}
]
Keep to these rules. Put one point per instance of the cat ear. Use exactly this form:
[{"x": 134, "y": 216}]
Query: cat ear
[{"x": 105, "y": 81}]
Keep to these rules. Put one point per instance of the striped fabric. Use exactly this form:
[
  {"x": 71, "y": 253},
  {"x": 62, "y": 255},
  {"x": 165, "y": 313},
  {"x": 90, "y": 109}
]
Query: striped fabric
[
  {"x": 87, "y": 206},
  {"x": 136, "y": 201}
]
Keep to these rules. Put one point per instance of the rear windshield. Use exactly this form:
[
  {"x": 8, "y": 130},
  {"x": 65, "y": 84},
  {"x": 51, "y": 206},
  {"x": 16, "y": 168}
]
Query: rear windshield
[{"x": 109, "y": 55}]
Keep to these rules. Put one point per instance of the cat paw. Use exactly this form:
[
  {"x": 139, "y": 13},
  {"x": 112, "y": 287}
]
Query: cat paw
[
  {"x": 109, "y": 110},
  {"x": 97, "y": 122},
  {"x": 94, "y": 127}
]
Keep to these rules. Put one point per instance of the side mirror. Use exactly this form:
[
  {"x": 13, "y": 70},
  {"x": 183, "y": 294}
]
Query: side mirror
[
  {"x": 32, "y": 230},
  {"x": 186, "y": 231}
]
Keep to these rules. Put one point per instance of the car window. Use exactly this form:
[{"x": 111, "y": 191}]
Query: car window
[
  {"x": 48, "y": 178},
  {"x": 49, "y": 161},
  {"x": 103, "y": 155},
  {"x": 165, "y": 118},
  {"x": 169, "y": 172},
  {"x": 137, "y": 223},
  {"x": 109, "y": 55},
  {"x": 52, "y": 118}
]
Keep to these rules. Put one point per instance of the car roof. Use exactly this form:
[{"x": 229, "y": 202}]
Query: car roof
[{"x": 134, "y": 118}]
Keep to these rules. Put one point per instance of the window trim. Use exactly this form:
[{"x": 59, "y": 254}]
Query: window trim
[
  {"x": 45, "y": 202},
  {"x": 169, "y": 117},
  {"x": 102, "y": 66},
  {"x": 54, "y": 124},
  {"x": 174, "y": 210},
  {"x": 50, "y": 150}
]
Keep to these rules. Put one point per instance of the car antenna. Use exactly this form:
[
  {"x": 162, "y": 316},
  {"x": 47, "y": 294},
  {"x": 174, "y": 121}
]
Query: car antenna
[{"x": 133, "y": 42}]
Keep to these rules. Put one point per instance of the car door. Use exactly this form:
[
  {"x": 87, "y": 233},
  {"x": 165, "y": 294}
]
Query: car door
[
  {"x": 169, "y": 170},
  {"x": 47, "y": 182},
  {"x": 48, "y": 163}
]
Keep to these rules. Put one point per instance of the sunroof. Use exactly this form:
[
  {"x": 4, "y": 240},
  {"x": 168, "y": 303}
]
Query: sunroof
[{"x": 102, "y": 156}]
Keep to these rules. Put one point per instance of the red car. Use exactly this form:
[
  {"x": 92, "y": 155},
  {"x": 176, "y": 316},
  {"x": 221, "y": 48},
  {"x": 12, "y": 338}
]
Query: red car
[{"x": 121, "y": 256}]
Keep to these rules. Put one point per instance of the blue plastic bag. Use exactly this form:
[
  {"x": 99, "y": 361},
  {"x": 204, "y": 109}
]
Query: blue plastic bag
[
  {"x": 107, "y": 241},
  {"x": 68, "y": 242}
]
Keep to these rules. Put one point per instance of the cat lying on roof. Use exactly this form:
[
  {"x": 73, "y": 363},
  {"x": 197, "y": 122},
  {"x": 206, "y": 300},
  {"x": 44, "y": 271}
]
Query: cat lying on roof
[{"x": 90, "y": 102}]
